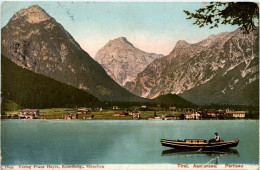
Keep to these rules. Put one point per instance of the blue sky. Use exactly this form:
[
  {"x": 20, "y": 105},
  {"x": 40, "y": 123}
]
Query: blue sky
[{"x": 150, "y": 26}]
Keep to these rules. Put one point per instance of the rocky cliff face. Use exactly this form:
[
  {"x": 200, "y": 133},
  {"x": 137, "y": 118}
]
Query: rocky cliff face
[
  {"x": 34, "y": 40},
  {"x": 227, "y": 60},
  {"x": 122, "y": 61}
]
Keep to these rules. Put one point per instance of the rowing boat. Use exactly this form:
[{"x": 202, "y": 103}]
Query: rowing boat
[{"x": 199, "y": 144}]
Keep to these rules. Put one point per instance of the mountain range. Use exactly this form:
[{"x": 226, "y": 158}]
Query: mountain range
[
  {"x": 122, "y": 61},
  {"x": 34, "y": 40},
  {"x": 221, "y": 69}
]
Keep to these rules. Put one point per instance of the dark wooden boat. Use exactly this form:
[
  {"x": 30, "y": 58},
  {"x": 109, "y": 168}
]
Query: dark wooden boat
[{"x": 199, "y": 144}]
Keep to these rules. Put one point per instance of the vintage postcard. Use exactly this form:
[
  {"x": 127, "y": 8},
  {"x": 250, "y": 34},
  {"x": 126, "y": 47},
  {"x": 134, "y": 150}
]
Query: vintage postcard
[{"x": 129, "y": 85}]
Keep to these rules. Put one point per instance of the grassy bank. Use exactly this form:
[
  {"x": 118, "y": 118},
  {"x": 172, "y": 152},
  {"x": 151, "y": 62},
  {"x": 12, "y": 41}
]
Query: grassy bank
[
  {"x": 59, "y": 113},
  {"x": 56, "y": 113},
  {"x": 148, "y": 114}
]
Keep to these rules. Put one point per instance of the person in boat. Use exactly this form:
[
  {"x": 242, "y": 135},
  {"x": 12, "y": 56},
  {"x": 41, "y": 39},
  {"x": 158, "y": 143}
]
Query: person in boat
[{"x": 217, "y": 138}]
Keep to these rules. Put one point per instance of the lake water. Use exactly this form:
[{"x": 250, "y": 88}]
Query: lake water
[{"x": 123, "y": 142}]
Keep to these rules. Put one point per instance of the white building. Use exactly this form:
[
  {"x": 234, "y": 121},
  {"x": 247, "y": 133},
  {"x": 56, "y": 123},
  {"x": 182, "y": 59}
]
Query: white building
[
  {"x": 237, "y": 114},
  {"x": 191, "y": 115}
]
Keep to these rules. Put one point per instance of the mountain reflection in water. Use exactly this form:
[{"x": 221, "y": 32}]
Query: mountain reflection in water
[{"x": 209, "y": 153}]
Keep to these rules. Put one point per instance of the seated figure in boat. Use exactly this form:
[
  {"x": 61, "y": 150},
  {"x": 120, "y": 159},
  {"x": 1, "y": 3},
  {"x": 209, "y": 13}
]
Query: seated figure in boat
[{"x": 217, "y": 138}]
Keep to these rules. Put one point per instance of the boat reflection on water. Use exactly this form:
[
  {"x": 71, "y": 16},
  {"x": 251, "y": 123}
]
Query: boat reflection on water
[{"x": 200, "y": 152}]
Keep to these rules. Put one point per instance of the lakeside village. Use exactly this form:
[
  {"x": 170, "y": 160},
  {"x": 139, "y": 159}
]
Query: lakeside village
[{"x": 133, "y": 113}]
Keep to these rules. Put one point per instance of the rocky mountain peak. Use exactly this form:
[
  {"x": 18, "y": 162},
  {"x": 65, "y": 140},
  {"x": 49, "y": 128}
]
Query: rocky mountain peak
[
  {"x": 213, "y": 39},
  {"x": 181, "y": 44},
  {"x": 222, "y": 68},
  {"x": 120, "y": 41},
  {"x": 33, "y": 14},
  {"x": 35, "y": 41},
  {"x": 122, "y": 61}
]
